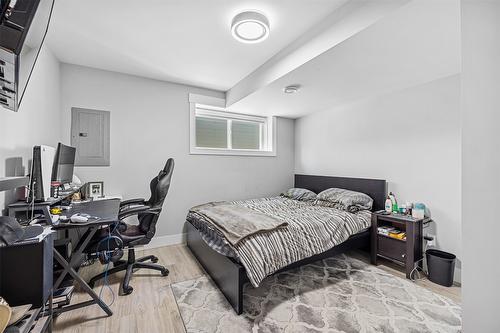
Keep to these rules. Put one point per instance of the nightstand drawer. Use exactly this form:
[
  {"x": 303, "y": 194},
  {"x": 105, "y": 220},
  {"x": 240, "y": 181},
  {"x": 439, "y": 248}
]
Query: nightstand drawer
[{"x": 392, "y": 248}]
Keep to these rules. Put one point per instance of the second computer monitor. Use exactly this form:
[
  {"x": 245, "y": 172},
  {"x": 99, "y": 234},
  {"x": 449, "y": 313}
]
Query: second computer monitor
[{"x": 64, "y": 163}]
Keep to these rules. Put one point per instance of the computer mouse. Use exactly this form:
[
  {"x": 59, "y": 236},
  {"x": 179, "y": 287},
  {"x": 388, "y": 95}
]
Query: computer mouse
[{"x": 80, "y": 218}]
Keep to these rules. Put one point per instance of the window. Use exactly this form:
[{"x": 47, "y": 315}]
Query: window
[
  {"x": 211, "y": 132},
  {"x": 217, "y": 131}
]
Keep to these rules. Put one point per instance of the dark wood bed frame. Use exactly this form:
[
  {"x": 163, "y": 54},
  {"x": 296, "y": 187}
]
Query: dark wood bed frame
[{"x": 230, "y": 276}]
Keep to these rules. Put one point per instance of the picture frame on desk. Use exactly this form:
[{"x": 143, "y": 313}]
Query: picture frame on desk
[{"x": 94, "y": 190}]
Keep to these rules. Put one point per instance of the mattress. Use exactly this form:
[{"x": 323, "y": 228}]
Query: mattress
[{"x": 311, "y": 230}]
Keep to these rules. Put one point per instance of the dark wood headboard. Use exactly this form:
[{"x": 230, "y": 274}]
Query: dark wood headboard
[{"x": 375, "y": 188}]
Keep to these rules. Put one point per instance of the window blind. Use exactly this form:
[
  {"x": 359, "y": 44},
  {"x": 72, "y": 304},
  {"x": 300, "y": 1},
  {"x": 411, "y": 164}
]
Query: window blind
[
  {"x": 211, "y": 132},
  {"x": 245, "y": 135}
]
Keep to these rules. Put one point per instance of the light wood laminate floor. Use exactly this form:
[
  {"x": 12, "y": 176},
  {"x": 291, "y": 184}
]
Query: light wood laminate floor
[{"x": 152, "y": 308}]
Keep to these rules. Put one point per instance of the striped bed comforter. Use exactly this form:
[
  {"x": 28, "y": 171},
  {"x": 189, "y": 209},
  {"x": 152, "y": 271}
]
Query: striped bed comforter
[{"x": 311, "y": 230}]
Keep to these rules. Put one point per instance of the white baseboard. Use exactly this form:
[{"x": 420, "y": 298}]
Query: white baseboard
[
  {"x": 457, "y": 278},
  {"x": 159, "y": 241}
]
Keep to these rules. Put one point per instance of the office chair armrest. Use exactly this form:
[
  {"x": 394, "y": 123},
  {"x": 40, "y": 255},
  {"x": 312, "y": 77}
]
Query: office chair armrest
[
  {"x": 137, "y": 201},
  {"x": 136, "y": 210}
]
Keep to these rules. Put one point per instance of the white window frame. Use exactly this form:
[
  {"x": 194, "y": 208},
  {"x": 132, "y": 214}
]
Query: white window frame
[{"x": 215, "y": 107}]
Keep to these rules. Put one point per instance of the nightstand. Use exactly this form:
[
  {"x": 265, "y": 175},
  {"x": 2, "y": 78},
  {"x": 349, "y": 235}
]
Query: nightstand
[{"x": 404, "y": 252}]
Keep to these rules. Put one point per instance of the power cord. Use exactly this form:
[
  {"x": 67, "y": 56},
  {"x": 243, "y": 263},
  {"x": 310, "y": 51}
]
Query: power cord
[
  {"x": 106, "y": 284},
  {"x": 32, "y": 203},
  {"x": 105, "y": 280},
  {"x": 416, "y": 268},
  {"x": 107, "y": 251}
]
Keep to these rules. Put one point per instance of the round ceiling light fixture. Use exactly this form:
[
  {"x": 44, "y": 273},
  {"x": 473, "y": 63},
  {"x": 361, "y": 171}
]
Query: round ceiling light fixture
[
  {"x": 291, "y": 89},
  {"x": 250, "y": 27}
]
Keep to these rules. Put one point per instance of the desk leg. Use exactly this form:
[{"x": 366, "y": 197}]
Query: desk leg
[
  {"x": 84, "y": 285},
  {"x": 68, "y": 268},
  {"x": 76, "y": 256}
]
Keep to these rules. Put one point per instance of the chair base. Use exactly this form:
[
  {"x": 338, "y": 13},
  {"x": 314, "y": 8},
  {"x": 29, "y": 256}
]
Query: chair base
[{"x": 129, "y": 266}]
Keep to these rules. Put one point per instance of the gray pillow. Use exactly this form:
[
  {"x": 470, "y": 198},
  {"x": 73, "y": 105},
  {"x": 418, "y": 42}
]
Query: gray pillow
[
  {"x": 342, "y": 199},
  {"x": 301, "y": 194}
]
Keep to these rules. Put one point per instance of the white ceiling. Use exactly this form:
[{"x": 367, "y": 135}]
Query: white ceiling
[
  {"x": 343, "y": 23},
  {"x": 339, "y": 51},
  {"x": 184, "y": 41},
  {"x": 415, "y": 44}
]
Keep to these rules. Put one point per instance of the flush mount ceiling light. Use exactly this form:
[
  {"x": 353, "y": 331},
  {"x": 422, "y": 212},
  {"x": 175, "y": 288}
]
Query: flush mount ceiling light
[
  {"x": 250, "y": 27},
  {"x": 291, "y": 89}
]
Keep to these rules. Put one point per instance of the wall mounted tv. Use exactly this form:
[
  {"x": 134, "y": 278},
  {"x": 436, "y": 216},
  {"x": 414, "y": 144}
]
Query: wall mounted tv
[{"x": 23, "y": 27}]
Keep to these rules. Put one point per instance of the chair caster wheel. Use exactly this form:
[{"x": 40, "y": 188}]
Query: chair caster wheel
[
  {"x": 127, "y": 290},
  {"x": 154, "y": 260},
  {"x": 165, "y": 272}
]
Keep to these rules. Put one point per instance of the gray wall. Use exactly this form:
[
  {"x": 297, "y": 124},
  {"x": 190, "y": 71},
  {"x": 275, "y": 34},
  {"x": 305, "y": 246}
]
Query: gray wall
[
  {"x": 481, "y": 164},
  {"x": 150, "y": 123},
  {"x": 37, "y": 122},
  {"x": 411, "y": 138}
]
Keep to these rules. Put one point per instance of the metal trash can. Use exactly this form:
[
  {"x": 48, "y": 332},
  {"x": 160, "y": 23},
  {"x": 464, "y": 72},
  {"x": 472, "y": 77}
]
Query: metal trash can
[{"x": 441, "y": 266}]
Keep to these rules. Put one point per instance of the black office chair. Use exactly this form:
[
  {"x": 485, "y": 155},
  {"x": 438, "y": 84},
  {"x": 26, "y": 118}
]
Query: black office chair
[{"x": 147, "y": 212}]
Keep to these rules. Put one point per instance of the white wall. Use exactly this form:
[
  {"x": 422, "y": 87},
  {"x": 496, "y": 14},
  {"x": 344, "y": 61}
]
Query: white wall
[
  {"x": 37, "y": 122},
  {"x": 411, "y": 138},
  {"x": 481, "y": 164},
  {"x": 150, "y": 123}
]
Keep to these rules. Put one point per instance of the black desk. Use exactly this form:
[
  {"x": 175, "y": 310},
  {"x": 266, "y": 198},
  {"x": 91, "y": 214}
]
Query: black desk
[{"x": 106, "y": 212}]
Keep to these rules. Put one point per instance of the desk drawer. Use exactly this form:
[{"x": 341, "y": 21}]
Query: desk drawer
[{"x": 392, "y": 248}]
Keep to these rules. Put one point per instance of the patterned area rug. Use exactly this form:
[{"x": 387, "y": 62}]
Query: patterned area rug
[{"x": 339, "y": 294}]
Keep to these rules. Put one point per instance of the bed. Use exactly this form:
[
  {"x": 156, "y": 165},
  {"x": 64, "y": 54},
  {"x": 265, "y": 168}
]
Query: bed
[{"x": 229, "y": 272}]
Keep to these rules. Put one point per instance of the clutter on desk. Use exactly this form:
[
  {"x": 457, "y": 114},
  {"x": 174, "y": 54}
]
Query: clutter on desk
[
  {"x": 77, "y": 196},
  {"x": 11, "y": 232},
  {"x": 94, "y": 190}
]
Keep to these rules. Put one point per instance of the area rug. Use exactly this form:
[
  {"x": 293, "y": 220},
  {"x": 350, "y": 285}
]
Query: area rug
[{"x": 339, "y": 294}]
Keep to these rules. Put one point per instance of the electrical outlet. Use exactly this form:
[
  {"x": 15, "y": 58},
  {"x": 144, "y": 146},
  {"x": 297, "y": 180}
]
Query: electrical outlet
[{"x": 431, "y": 242}]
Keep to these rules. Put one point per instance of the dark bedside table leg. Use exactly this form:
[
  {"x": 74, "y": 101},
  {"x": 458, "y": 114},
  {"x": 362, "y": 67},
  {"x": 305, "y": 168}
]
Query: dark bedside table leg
[
  {"x": 410, "y": 248},
  {"x": 419, "y": 252},
  {"x": 373, "y": 242}
]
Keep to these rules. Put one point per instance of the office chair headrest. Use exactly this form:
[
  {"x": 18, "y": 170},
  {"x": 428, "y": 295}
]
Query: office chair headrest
[
  {"x": 166, "y": 174},
  {"x": 161, "y": 184},
  {"x": 169, "y": 166}
]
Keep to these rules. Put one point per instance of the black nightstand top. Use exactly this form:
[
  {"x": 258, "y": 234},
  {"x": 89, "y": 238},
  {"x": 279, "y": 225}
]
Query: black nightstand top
[{"x": 402, "y": 218}]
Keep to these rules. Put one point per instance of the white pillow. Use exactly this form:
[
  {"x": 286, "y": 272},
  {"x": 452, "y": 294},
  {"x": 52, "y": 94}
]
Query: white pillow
[{"x": 300, "y": 194}]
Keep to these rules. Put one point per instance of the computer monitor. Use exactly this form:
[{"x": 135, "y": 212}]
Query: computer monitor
[
  {"x": 40, "y": 177},
  {"x": 64, "y": 163}
]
